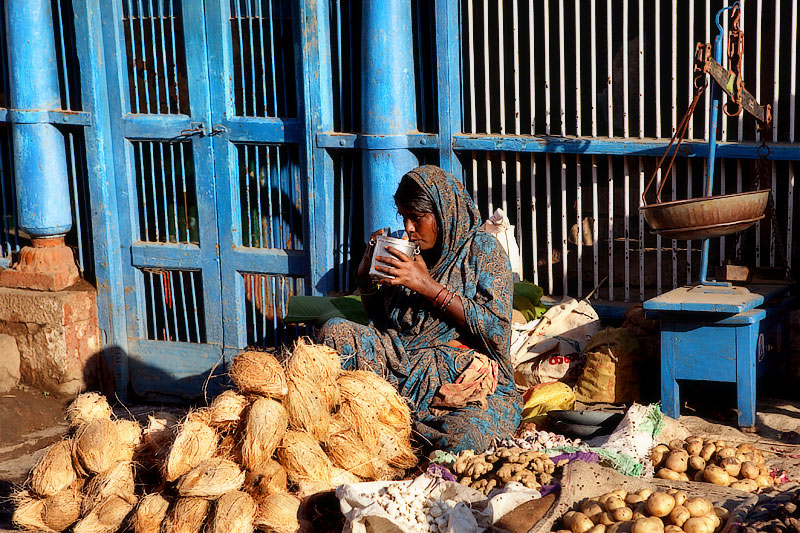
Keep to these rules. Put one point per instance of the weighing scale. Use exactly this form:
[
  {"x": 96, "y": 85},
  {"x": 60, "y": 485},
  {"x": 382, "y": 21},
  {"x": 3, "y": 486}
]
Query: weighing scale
[{"x": 714, "y": 331}]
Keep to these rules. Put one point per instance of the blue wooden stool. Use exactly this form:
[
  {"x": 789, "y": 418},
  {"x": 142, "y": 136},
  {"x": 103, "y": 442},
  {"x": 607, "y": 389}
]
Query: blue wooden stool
[{"x": 713, "y": 333}]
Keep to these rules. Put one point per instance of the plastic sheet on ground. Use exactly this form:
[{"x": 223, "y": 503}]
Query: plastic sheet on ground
[{"x": 473, "y": 512}]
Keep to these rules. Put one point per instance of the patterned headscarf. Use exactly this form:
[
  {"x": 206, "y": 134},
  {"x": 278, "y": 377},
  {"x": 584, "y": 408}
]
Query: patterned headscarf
[{"x": 456, "y": 215}]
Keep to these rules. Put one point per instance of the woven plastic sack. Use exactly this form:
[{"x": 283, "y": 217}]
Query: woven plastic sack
[
  {"x": 499, "y": 226},
  {"x": 610, "y": 373},
  {"x": 635, "y": 435},
  {"x": 541, "y": 399}
]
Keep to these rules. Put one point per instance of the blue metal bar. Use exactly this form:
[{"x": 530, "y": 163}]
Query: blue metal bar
[
  {"x": 269, "y": 198},
  {"x": 388, "y": 101},
  {"x": 76, "y": 205},
  {"x": 280, "y": 130},
  {"x": 272, "y": 59},
  {"x": 184, "y": 307},
  {"x": 60, "y": 26},
  {"x": 339, "y": 58},
  {"x": 716, "y": 95},
  {"x": 174, "y": 58},
  {"x": 195, "y": 307},
  {"x": 252, "y": 56},
  {"x": 154, "y": 52},
  {"x": 256, "y": 150},
  {"x": 378, "y": 142},
  {"x": 448, "y": 72},
  {"x": 161, "y": 15},
  {"x": 238, "y": 15},
  {"x": 249, "y": 214},
  {"x": 6, "y": 241},
  {"x": 420, "y": 77},
  {"x": 40, "y": 164},
  {"x": 52, "y": 116},
  {"x": 264, "y": 294},
  {"x": 161, "y": 282},
  {"x": 279, "y": 172},
  {"x": 148, "y": 109},
  {"x": 263, "y": 72},
  {"x": 135, "y": 75},
  {"x": 155, "y": 193}
]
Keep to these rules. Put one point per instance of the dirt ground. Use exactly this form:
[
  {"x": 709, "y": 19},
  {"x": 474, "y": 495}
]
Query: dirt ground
[{"x": 30, "y": 421}]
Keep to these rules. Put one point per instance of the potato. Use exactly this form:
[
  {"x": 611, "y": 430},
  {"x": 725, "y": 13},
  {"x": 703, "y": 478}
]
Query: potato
[
  {"x": 672, "y": 529},
  {"x": 620, "y": 493},
  {"x": 620, "y": 527},
  {"x": 677, "y": 444},
  {"x": 568, "y": 517},
  {"x": 746, "y": 485},
  {"x": 640, "y": 511},
  {"x": 720, "y": 444},
  {"x": 679, "y": 515},
  {"x": 707, "y": 452},
  {"x": 633, "y": 498},
  {"x": 663, "y": 448},
  {"x": 679, "y": 495},
  {"x": 644, "y": 493},
  {"x": 623, "y": 513},
  {"x": 648, "y": 525},
  {"x": 722, "y": 513},
  {"x": 746, "y": 448},
  {"x": 660, "y": 504},
  {"x": 731, "y": 465},
  {"x": 606, "y": 519},
  {"x": 683, "y": 476},
  {"x": 759, "y": 457},
  {"x": 700, "y": 524},
  {"x": 657, "y": 458},
  {"x": 699, "y": 475},
  {"x": 602, "y": 499},
  {"x": 666, "y": 473},
  {"x": 693, "y": 438},
  {"x": 764, "y": 481},
  {"x": 592, "y": 510},
  {"x": 613, "y": 503},
  {"x": 677, "y": 461},
  {"x": 714, "y": 518},
  {"x": 580, "y": 523},
  {"x": 717, "y": 475},
  {"x": 694, "y": 447},
  {"x": 698, "y": 506},
  {"x": 763, "y": 470},
  {"x": 598, "y": 528},
  {"x": 724, "y": 453},
  {"x": 696, "y": 462}
]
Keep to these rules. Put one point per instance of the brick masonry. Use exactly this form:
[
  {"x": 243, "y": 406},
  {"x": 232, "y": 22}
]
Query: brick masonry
[{"x": 57, "y": 335}]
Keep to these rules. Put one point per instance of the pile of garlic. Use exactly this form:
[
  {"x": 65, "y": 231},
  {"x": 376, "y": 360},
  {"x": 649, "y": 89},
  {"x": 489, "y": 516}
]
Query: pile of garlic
[
  {"x": 414, "y": 509},
  {"x": 538, "y": 440}
]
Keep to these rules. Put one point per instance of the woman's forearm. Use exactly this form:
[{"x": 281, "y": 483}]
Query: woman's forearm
[{"x": 448, "y": 303}]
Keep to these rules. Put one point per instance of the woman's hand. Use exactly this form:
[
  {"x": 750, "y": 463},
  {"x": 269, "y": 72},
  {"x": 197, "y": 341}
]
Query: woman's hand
[
  {"x": 363, "y": 267},
  {"x": 407, "y": 271}
]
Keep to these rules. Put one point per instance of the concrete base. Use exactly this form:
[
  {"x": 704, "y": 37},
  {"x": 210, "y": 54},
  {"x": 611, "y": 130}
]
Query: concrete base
[
  {"x": 57, "y": 335},
  {"x": 47, "y": 265}
]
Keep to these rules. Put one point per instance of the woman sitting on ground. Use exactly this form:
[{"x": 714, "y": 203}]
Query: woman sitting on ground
[{"x": 440, "y": 327}]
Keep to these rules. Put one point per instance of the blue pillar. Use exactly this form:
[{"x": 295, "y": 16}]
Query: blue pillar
[
  {"x": 388, "y": 104},
  {"x": 43, "y": 197}
]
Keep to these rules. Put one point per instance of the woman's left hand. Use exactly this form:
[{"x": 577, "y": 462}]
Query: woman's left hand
[{"x": 407, "y": 271}]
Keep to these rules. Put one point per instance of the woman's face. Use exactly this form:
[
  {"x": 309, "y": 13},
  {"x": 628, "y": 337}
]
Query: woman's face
[{"x": 421, "y": 227}]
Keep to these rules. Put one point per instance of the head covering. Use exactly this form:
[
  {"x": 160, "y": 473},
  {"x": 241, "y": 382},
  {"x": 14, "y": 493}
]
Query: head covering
[{"x": 456, "y": 215}]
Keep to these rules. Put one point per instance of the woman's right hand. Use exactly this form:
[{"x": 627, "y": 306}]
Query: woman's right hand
[{"x": 363, "y": 267}]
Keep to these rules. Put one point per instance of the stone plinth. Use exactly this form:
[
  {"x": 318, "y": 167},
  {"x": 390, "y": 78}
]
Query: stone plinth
[
  {"x": 47, "y": 265},
  {"x": 57, "y": 335}
]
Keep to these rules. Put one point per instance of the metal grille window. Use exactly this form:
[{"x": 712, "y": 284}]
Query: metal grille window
[
  {"x": 265, "y": 304},
  {"x": 156, "y": 56},
  {"x": 167, "y": 203},
  {"x": 263, "y": 58},
  {"x": 610, "y": 80},
  {"x": 271, "y": 196},
  {"x": 174, "y": 301}
]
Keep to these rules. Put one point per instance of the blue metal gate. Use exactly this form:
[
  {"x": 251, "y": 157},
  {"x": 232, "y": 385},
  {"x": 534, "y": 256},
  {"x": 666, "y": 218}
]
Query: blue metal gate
[{"x": 206, "y": 120}]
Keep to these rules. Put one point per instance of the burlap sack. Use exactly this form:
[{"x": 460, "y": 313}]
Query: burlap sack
[
  {"x": 586, "y": 480},
  {"x": 610, "y": 373}
]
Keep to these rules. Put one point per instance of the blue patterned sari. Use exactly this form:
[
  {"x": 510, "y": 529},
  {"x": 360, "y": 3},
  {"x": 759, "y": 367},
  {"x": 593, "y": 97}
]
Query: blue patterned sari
[{"x": 407, "y": 344}]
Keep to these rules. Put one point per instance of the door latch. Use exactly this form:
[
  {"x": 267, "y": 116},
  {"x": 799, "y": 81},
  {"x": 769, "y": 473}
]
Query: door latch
[
  {"x": 218, "y": 129},
  {"x": 195, "y": 128}
]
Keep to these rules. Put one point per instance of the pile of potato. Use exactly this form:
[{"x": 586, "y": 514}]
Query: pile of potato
[
  {"x": 644, "y": 511},
  {"x": 696, "y": 459},
  {"x": 488, "y": 471}
]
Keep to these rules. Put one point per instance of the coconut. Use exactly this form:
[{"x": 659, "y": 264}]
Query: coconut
[
  {"x": 394, "y": 409},
  {"x": 105, "y": 518},
  {"x": 331, "y": 395},
  {"x": 96, "y": 446},
  {"x": 317, "y": 363},
  {"x": 395, "y": 448},
  {"x": 303, "y": 458},
  {"x": 54, "y": 472},
  {"x": 150, "y": 514},
  {"x": 308, "y": 488},
  {"x": 87, "y": 407},
  {"x": 306, "y": 409},
  {"x": 211, "y": 479},
  {"x": 130, "y": 439},
  {"x": 196, "y": 441},
  {"x": 348, "y": 451},
  {"x": 159, "y": 430},
  {"x": 230, "y": 448},
  {"x": 354, "y": 416},
  {"x": 28, "y": 512},
  {"x": 258, "y": 373},
  {"x": 63, "y": 509},
  {"x": 267, "y": 478},
  {"x": 226, "y": 409},
  {"x": 117, "y": 481},
  {"x": 278, "y": 514},
  {"x": 187, "y": 516},
  {"x": 266, "y": 424},
  {"x": 341, "y": 476},
  {"x": 233, "y": 513}
]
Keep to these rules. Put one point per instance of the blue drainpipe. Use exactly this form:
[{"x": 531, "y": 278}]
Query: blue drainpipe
[
  {"x": 389, "y": 107},
  {"x": 43, "y": 197}
]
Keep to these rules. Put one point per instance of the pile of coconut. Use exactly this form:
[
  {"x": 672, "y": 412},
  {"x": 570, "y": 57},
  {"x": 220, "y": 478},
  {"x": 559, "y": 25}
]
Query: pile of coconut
[{"x": 244, "y": 462}]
